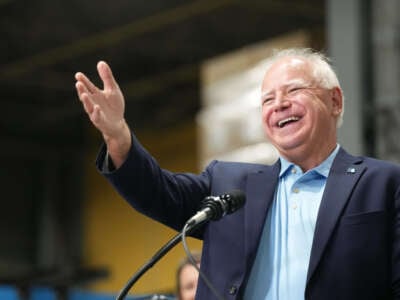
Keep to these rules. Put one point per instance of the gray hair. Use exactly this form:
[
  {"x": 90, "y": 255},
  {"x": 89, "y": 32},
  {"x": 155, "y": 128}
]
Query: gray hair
[{"x": 323, "y": 71}]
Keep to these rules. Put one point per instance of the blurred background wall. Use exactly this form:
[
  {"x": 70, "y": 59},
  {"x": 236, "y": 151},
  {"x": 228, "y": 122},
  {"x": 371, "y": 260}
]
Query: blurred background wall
[{"x": 190, "y": 72}]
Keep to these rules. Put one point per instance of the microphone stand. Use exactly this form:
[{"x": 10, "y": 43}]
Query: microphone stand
[
  {"x": 213, "y": 209},
  {"x": 156, "y": 257}
]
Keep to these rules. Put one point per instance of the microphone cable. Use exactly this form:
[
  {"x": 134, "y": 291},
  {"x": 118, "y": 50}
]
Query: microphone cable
[
  {"x": 214, "y": 209},
  {"x": 185, "y": 229}
]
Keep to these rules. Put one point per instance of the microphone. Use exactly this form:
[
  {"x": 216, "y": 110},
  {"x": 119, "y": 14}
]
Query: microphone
[{"x": 215, "y": 207}]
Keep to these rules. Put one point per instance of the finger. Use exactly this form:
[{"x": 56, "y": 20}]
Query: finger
[
  {"x": 95, "y": 98},
  {"x": 81, "y": 88},
  {"x": 95, "y": 116},
  {"x": 88, "y": 105},
  {"x": 84, "y": 96},
  {"x": 106, "y": 76},
  {"x": 80, "y": 77}
]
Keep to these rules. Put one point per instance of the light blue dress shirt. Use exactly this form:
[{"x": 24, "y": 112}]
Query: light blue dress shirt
[{"x": 280, "y": 268}]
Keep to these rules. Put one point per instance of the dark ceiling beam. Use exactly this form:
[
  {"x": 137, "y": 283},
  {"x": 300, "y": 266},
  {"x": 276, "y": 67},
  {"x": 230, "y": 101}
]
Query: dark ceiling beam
[
  {"x": 2, "y": 2},
  {"x": 133, "y": 90},
  {"x": 47, "y": 79},
  {"x": 112, "y": 37},
  {"x": 154, "y": 84},
  {"x": 294, "y": 8},
  {"x": 145, "y": 25}
]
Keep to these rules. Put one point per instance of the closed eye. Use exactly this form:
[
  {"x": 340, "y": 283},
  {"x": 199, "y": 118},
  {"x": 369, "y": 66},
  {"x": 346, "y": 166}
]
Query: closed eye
[
  {"x": 296, "y": 89},
  {"x": 267, "y": 100}
]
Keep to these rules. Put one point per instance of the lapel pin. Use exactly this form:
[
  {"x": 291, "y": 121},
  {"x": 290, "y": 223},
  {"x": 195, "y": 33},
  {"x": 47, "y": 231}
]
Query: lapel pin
[{"x": 351, "y": 170}]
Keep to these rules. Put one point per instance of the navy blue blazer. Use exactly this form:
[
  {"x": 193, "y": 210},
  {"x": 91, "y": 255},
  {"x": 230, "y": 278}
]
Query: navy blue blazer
[{"x": 356, "y": 246}]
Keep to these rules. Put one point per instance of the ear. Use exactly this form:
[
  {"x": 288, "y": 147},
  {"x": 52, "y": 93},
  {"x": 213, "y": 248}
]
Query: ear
[{"x": 337, "y": 101}]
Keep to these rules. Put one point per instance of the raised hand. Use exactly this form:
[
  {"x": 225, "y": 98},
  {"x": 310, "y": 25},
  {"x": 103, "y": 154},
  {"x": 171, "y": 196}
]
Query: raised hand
[{"x": 105, "y": 109}]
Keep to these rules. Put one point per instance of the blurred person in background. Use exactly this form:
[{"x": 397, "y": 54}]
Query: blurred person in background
[
  {"x": 186, "y": 278},
  {"x": 320, "y": 223}
]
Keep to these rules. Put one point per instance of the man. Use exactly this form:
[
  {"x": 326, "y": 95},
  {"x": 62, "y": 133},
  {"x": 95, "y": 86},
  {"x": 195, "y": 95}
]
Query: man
[
  {"x": 318, "y": 224},
  {"x": 187, "y": 277}
]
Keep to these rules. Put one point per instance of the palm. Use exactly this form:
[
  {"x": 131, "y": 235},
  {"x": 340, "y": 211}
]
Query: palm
[{"x": 105, "y": 107}]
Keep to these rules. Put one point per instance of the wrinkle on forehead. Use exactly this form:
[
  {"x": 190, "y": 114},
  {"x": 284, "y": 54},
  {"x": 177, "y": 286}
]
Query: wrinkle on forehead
[
  {"x": 298, "y": 65},
  {"x": 292, "y": 82}
]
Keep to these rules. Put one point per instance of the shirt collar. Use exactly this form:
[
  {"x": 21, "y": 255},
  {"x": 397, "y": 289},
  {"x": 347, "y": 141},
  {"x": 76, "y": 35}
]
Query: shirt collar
[{"x": 323, "y": 168}]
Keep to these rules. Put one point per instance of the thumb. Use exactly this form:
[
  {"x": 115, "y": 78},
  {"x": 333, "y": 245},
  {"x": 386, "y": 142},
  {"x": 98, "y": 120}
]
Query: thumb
[{"x": 106, "y": 76}]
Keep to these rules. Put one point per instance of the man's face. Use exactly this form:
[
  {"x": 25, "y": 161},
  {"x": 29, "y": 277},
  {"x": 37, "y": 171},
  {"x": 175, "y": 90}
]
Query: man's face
[
  {"x": 298, "y": 115},
  {"x": 188, "y": 282}
]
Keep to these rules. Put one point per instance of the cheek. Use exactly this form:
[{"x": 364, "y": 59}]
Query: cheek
[
  {"x": 265, "y": 116},
  {"x": 265, "y": 120}
]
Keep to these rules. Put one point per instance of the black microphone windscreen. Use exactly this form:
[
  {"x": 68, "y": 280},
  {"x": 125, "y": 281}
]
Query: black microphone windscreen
[{"x": 236, "y": 201}]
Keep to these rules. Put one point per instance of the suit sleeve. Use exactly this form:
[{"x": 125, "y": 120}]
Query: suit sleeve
[{"x": 170, "y": 198}]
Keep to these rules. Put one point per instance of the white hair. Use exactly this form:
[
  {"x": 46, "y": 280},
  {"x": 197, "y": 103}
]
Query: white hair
[{"x": 323, "y": 72}]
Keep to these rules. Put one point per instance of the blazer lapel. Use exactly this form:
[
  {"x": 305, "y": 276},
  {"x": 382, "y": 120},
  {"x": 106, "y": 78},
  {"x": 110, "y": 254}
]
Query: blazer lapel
[
  {"x": 260, "y": 190},
  {"x": 344, "y": 175}
]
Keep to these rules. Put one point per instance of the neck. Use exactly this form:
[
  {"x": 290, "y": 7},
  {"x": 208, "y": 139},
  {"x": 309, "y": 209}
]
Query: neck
[{"x": 307, "y": 160}]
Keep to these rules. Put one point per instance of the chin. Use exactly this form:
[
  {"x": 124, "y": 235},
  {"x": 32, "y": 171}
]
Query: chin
[{"x": 290, "y": 141}]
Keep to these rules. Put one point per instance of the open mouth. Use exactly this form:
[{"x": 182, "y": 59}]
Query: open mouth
[{"x": 284, "y": 122}]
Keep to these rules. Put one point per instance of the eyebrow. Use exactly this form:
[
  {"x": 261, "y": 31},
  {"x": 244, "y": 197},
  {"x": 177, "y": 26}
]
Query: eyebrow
[{"x": 296, "y": 81}]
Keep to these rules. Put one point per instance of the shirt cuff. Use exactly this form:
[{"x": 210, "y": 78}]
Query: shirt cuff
[{"x": 108, "y": 165}]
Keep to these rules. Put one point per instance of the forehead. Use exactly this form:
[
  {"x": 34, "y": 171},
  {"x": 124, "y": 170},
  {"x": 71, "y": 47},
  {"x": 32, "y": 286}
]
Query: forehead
[{"x": 287, "y": 70}]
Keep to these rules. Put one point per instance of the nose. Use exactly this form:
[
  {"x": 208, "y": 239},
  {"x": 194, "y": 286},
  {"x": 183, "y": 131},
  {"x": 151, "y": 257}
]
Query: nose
[{"x": 281, "y": 102}]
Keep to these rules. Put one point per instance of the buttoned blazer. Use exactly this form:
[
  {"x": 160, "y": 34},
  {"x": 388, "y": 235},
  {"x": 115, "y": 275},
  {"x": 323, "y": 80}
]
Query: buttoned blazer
[{"x": 356, "y": 246}]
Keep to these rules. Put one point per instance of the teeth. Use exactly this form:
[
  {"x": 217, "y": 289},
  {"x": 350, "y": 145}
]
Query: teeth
[{"x": 284, "y": 121}]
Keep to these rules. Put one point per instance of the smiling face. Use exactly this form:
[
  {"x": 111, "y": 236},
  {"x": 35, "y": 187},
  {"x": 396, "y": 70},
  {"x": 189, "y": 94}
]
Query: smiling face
[{"x": 299, "y": 116}]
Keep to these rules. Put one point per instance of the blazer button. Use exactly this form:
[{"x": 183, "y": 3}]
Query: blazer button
[{"x": 232, "y": 290}]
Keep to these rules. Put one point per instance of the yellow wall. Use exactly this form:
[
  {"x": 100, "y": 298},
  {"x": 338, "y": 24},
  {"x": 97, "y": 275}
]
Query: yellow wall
[{"x": 119, "y": 238}]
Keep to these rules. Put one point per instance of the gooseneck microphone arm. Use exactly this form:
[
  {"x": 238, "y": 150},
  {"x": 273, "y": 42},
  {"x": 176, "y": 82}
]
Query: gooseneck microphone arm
[
  {"x": 213, "y": 208},
  {"x": 156, "y": 257}
]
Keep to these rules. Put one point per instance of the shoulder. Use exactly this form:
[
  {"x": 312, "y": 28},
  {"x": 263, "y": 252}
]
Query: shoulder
[
  {"x": 382, "y": 166},
  {"x": 370, "y": 163}
]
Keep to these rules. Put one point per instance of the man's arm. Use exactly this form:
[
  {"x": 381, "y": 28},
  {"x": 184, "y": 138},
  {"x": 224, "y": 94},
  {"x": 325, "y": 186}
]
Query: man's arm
[{"x": 105, "y": 109}]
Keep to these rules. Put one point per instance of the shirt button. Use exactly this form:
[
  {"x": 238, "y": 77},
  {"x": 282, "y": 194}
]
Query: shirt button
[
  {"x": 293, "y": 170},
  {"x": 294, "y": 206},
  {"x": 296, "y": 190},
  {"x": 232, "y": 290}
]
